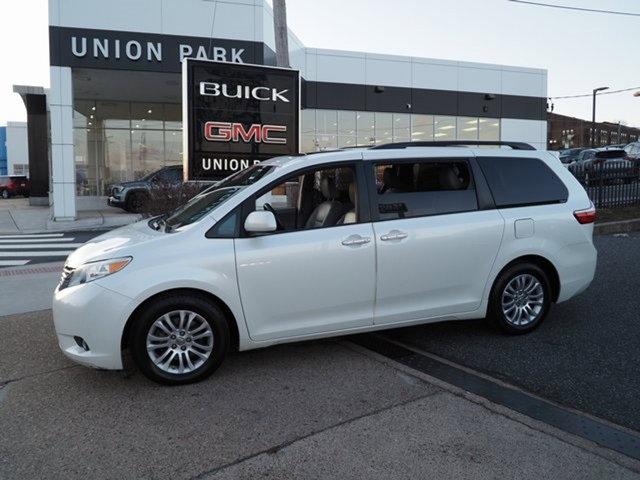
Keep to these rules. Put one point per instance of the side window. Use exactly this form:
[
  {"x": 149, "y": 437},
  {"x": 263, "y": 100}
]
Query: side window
[
  {"x": 227, "y": 228},
  {"x": 320, "y": 198},
  {"x": 425, "y": 187},
  {"x": 518, "y": 182}
]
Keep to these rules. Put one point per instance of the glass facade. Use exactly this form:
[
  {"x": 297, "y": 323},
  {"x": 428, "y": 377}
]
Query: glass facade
[
  {"x": 331, "y": 129},
  {"x": 122, "y": 141}
]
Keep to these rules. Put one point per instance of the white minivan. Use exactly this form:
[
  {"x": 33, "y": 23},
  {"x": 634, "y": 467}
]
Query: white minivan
[{"x": 328, "y": 244}]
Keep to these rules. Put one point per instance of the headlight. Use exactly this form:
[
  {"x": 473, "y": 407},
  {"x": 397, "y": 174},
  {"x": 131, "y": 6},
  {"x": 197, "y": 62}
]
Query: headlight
[{"x": 92, "y": 271}]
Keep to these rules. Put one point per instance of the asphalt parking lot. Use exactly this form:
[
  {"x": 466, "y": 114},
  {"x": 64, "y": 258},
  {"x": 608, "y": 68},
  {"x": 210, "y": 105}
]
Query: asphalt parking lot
[
  {"x": 325, "y": 410},
  {"x": 312, "y": 410},
  {"x": 586, "y": 353}
]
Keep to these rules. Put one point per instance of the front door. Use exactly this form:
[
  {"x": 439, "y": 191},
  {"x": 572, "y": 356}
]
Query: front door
[
  {"x": 317, "y": 272},
  {"x": 435, "y": 248}
]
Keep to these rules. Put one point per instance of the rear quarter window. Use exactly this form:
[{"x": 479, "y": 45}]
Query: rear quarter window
[{"x": 516, "y": 182}]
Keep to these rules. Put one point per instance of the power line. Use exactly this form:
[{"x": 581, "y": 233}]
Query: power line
[
  {"x": 609, "y": 92},
  {"x": 568, "y": 7}
]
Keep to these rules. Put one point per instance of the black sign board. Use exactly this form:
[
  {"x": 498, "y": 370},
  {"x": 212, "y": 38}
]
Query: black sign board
[
  {"x": 153, "y": 52},
  {"x": 237, "y": 115}
]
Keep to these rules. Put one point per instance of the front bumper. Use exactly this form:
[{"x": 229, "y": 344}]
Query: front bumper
[
  {"x": 97, "y": 316},
  {"x": 115, "y": 202}
]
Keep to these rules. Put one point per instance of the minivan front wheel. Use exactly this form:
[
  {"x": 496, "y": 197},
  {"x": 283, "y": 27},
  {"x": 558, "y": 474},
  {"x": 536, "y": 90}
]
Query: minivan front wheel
[
  {"x": 520, "y": 299},
  {"x": 179, "y": 339}
]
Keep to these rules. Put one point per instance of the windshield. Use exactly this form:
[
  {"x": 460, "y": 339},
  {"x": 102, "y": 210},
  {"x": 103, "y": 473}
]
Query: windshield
[{"x": 203, "y": 203}]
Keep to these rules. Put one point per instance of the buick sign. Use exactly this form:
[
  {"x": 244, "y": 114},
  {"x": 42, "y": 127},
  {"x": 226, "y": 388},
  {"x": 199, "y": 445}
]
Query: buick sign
[{"x": 236, "y": 116}]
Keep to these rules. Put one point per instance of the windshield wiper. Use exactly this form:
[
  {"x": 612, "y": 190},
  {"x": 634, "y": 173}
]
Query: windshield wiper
[{"x": 156, "y": 223}]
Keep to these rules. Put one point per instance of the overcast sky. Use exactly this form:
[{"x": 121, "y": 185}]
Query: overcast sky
[{"x": 580, "y": 50}]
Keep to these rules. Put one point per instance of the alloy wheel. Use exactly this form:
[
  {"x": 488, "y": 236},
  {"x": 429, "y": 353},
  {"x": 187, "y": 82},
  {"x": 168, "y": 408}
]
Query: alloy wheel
[
  {"x": 180, "y": 342},
  {"x": 522, "y": 300}
]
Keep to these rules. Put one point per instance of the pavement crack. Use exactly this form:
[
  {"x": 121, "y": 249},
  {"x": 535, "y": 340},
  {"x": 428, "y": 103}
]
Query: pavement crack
[
  {"x": 277, "y": 448},
  {"x": 4, "y": 383}
]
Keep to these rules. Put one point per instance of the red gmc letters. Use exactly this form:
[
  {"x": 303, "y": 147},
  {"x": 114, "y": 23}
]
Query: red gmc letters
[{"x": 236, "y": 132}]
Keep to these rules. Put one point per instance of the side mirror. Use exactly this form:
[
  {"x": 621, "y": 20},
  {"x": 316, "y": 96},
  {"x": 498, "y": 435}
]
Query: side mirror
[{"x": 260, "y": 221}]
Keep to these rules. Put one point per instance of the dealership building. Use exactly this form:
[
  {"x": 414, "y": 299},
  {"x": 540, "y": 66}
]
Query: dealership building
[{"x": 114, "y": 107}]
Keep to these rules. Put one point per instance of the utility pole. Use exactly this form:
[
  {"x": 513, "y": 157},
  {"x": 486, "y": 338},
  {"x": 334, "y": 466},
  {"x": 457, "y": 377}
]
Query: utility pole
[
  {"x": 281, "y": 33},
  {"x": 593, "y": 115}
]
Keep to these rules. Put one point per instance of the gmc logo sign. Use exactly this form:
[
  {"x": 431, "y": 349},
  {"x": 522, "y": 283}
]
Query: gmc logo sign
[{"x": 236, "y": 132}]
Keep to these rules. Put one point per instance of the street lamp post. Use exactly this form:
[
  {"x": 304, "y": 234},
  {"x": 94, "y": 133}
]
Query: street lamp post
[{"x": 593, "y": 115}]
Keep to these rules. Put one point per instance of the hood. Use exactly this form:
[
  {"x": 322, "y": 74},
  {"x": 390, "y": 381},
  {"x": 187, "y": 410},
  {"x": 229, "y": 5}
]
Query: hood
[
  {"x": 114, "y": 244},
  {"x": 132, "y": 184}
]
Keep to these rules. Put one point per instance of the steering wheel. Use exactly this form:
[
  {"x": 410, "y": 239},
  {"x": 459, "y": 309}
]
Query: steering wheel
[{"x": 269, "y": 208}]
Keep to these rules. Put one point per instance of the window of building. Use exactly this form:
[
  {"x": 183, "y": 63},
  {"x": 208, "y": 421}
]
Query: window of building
[
  {"x": 329, "y": 129},
  {"x": 383, "y": 128},
  {"x": 320, "y": 198},
  {"x": 401, "y": 127},
  {"x": 365, "y": 124},
  {"x": 488, "y": 129},
  {"x": 467, "y": 128},
  {"x": 421, "y": 128},
  {"x": 522, "y": 181},
  {"x": 346, "y": 129},
  {"x": 423, "y": 188},
  {"x": 147, "y": 116},
  {"x": 123, "y": 141},
  {"x": 444, "y": 128}
]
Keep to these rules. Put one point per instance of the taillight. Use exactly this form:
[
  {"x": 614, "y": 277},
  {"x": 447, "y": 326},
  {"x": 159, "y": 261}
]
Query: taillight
[{"x": 585, "y": 216}]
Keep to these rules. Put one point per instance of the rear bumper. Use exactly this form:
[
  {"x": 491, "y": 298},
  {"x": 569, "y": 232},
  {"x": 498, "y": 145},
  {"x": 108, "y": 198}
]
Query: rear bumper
[
  {"x": 97, "y": 316},
  {"x": 576, "y": 267}
]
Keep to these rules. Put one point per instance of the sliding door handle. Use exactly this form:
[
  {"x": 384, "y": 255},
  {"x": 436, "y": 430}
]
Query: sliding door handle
[{"x": 393, "y": 235}]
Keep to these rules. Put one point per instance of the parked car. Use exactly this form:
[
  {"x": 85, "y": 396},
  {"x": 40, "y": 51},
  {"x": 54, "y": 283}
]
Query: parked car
[
  {"x": 569, "y": 155},
  {"x": 133, "y": 196},
  {"x": 13, "y": 185},
  {"x": 633, "y": 151},
  {"x": 604, "y": 165},
  {"x": 450, "y": 234}
]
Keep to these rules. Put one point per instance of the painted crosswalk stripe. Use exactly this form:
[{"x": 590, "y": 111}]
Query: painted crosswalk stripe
[
  {"x": 40, "y": 240},
  {"x": 38, "y": 235},
  {"x": 13, "y": 263},
  {"x": 39, "y": 245},
  {"x": 41, "y": 253}
]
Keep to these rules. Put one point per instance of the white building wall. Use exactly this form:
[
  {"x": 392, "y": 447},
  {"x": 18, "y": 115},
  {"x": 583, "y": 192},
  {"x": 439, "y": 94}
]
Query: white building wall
[
  {"x": 528, "y": 131},
  {"x": 63, "y": 185},
  {"x": 17, "y": 148}
]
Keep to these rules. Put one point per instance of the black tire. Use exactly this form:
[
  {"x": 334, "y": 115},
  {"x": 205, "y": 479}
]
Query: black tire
[
  {"x": 136, "y": 202},
  {"x": 208, "y": 311},
  {"x": 5, "y": 194},
  {"x": 496, "y": 315}
]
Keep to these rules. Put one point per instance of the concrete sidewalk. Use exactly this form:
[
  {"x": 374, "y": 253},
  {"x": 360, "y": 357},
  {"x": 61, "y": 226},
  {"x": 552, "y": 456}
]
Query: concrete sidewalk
[{"x": 17, "y": 216}]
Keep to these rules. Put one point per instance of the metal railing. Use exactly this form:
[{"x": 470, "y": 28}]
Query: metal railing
[{"x": 610, "y": 185}]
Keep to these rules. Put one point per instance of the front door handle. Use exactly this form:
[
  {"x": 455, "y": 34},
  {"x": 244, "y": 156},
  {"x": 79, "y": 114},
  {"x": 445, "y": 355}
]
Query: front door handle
[
  {"x": 393, "y": 235},
  {"x": 355, "y": 240}
]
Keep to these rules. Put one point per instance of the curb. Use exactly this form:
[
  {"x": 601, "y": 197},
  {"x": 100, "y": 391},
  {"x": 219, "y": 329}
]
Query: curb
[
  {"x": 94, "y": 223},
  {"x": 621, "y": 226}
]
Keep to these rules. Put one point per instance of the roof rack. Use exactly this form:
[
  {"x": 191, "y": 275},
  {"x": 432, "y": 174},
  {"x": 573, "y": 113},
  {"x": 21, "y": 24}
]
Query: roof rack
[{"x": 455, "y": 143}]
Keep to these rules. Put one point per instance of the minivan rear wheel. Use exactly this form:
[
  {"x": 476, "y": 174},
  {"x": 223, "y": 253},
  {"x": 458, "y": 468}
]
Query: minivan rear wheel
[
  {"x": 179, "y": 339},
  {"x": 520, "y": 299}
]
